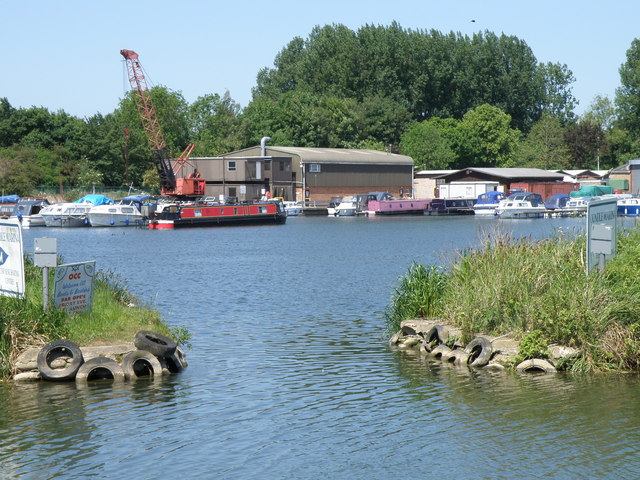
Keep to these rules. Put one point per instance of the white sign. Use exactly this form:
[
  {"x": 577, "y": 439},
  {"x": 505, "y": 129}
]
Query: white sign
[
  {"x": 601, "y": 232},
  {"x": 73, "y": 286},
  {"x": 11, "y": 259}
]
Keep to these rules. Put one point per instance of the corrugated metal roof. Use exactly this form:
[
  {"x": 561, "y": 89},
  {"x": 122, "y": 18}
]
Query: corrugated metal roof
[
  {"x": 341, "y": 155},
  {"x": 517, "y": 172}
]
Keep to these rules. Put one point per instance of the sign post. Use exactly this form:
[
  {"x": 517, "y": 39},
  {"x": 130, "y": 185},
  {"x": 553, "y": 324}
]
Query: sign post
[
  {"x": 45, "y": 256},
  {"x": 601, "y": 232},
  {"x": 11, "y": 259}
]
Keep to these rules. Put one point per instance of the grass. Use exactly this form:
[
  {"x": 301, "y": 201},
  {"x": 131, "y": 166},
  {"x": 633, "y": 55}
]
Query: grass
[
  {"x": 115, "y": 318},
  {"x": 519, "y": 286}
]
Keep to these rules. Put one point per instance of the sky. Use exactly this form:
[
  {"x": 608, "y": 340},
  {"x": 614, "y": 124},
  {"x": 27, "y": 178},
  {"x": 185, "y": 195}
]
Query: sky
[{"x": 64, "y": 55}]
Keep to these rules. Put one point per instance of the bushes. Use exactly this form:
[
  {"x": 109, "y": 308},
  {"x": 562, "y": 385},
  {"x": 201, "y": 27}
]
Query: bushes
[
  {"x": 517, "y": 286},
  {"x": 418, "y": 295}
]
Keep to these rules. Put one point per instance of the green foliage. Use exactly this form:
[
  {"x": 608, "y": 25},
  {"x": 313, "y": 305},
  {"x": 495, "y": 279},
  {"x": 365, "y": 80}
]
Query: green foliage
[
  {"x": 418, "y": 295},
  {"x": 532, "y": 345},
  {"x": 544, "y": 146},
  {"x": 428, "y": 145},
  {"x": 519, "y": 286}
]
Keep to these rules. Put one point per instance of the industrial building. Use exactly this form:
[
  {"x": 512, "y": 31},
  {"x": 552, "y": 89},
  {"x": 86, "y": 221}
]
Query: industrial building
[{"x": 312, "y": 174}]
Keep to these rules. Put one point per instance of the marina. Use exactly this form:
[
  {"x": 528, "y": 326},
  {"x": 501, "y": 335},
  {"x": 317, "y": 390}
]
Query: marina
[{"x": 305, "y": 377}]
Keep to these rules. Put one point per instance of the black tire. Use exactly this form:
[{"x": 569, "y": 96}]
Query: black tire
[
  {"x": 152, "y": 342},
  {"x": 141, "y": 363},
  {"x": 480, "y": 351},
  {"x": 100, "y": 368},
  {"x": 172, "y": 363},
  {"x": 57, "y": 349},
  {"x": 438, "y": 334}
]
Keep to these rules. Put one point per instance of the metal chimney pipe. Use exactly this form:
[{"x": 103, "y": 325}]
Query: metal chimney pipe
[{"x": 263, "y": 148}]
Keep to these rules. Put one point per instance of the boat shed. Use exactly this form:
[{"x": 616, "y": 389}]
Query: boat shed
[
  {"x": 470, "y": 182},
  {"x": 313, "y": 174}
]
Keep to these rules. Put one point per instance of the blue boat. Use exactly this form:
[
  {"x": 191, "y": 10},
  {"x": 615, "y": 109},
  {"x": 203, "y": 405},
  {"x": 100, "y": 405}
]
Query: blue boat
[
  {"x": 487, "y": 203},
  {"x": 629, "y": 207}
]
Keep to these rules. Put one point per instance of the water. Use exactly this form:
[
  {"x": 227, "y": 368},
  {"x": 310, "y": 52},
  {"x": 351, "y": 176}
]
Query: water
[{"x": 290, "y": 375}]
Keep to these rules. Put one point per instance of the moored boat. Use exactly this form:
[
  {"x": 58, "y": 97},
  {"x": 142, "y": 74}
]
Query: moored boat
[
  {"x": 629, "y": 206},
  {"x": 487, "y": 203},
  {"x": 450, "y": 206},
  {"x": 332, "y": 205},
  {"x": 209, "y": 215},
  {"x": 521, "y": 205},
  {"x": 292, "y": 208},
  {"x": 72, "y": 214},
  {"x": 383, "y": 203},
  {"x": 28, "y": 211},
  {"x": 127, "y": 212}
]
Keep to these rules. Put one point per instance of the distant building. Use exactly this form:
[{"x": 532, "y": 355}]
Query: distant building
[
  {"x": 315, "y": 174},
  {"x": 471, "y": 182}
]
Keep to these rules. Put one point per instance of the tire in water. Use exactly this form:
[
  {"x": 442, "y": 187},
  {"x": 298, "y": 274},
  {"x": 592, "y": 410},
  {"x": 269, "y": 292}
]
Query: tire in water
[
  {"x": 59, "y": 349},
  {"x": 155, "y": 343},
  {"x": 100, "y": 368}
]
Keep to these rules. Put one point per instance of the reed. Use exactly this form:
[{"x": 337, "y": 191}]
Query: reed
[{"x": 518, "y": 286}]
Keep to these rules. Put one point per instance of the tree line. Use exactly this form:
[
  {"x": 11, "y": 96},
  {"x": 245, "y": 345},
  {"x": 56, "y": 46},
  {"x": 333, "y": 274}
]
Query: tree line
[{"x": 447, "y": 100}]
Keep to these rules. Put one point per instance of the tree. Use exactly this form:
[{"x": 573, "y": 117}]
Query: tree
[
  {"x": 214, "y": 122},
  {"x": 486, "y": 138},
  {"x": 585, "y": 142},
  {"x": 544, "y": 146},
  {"x": 558, "y": 101},
  {"x": 428, "y": 145},
  {"x": 628, "y": 94}
]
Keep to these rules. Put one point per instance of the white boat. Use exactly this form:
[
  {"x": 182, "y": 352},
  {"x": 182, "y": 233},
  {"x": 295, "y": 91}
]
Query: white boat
[
  {"x": 72, "y": 214},
  {"x": 127, "y": 212},
  {"x": 66, "y": 214},
  {"x": 521, "y": 205},
  {"x": 292, "y": 208},
  {"x": 347, "y": 208},
  {"x": 333, "y": 204},
  {"x": 487, "y": 203},
  {"x": 577, "y": 205},
  {"x": 28, "y": 211}
]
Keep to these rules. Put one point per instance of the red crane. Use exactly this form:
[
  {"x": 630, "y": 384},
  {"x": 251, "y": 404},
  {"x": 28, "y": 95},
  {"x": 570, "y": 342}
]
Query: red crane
[{"x": 168, "y": 169}]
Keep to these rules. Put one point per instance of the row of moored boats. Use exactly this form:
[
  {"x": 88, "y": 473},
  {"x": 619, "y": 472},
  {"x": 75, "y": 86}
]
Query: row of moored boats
[{"x": 517, "y": 205}]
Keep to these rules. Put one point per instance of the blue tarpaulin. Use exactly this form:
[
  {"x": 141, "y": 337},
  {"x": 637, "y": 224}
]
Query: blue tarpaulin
[
  {"x": 9, "y": 199},
  {"x": 95, "y": 199}
]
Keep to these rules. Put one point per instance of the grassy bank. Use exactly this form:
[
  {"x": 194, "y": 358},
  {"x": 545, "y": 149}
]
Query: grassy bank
[
  {"x": 115, "y": 318},
  {"x": 535, "y": 289}
]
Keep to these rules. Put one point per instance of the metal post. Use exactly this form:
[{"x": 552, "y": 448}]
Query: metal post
[{"x": 45, "y": 288}]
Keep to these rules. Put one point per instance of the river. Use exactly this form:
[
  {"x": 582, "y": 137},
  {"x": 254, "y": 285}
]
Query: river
[{"x": 290, "y": 375}]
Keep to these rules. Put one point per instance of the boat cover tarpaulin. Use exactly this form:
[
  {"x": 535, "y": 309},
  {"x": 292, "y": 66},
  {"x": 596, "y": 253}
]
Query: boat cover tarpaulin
[
  {"x": 95, "y": 199},
  {"x": 9, "y": 199},
  {"x": 592, "y": 191}
]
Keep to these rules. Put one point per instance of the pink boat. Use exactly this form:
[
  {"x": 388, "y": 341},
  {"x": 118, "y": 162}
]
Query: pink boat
[{"x": 383, "y": 203}]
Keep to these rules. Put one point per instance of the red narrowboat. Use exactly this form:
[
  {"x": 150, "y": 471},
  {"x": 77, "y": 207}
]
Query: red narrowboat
[{"x": 210, "y": 215}]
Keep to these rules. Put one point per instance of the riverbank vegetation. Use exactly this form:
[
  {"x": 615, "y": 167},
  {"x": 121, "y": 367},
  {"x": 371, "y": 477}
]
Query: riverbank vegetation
[
  {"x": 445, "y": 99},
  {"x": 115, "y": 318},
  {"x": 535, "y": 290}
]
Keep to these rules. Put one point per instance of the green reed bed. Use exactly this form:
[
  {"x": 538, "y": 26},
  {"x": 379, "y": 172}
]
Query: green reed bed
[
  {"x": 115, "y": 318},
  {"x": 511, "y": 286}
]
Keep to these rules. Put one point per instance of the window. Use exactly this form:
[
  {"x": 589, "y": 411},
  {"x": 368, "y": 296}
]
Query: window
[
  {"x": 231, "y": 166},
  {"x": 267, "y": 165},
  {"x": 314, "y": 168},
  {"x": 232, "y": 191}
]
